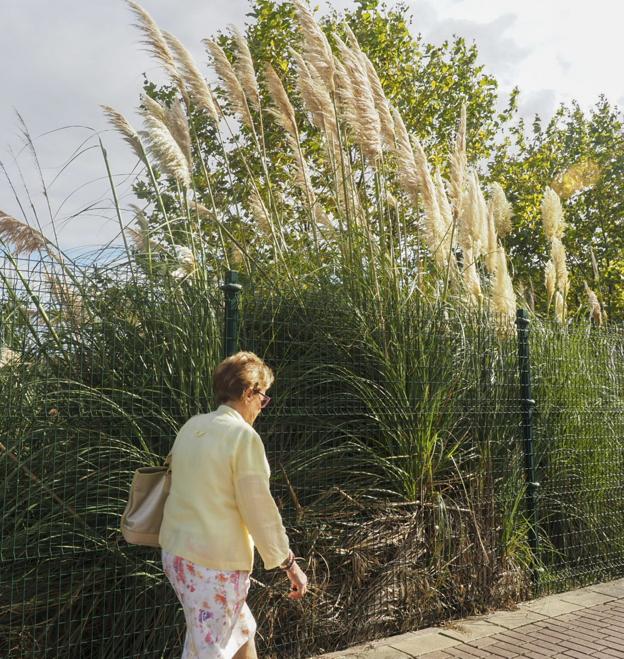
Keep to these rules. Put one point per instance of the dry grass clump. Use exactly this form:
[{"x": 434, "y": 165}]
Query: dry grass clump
[{"x": 378, "y": 570}]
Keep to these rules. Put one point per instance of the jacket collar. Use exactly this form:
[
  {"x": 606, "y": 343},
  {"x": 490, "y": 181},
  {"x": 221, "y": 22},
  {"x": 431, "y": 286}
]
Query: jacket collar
[{"x": 226, "y": 410}]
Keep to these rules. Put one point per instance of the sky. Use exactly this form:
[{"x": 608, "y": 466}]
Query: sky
[{"x": 70, "y": 56}]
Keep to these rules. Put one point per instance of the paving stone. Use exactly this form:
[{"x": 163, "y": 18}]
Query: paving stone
[
  {"x": 420, "y": 644},
  {"x": 513, "y": 619},
  {"x": 471, "y": 630},
  {"x": 586, "y": 597},
  {"x": 484, "y": 642},
  {"x": 550, "y": 606},
  {"x": 615, "y": 588}
]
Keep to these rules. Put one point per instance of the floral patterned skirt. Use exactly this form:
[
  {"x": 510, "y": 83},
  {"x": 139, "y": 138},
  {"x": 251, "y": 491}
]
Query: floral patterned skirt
[{"x": 218, "y": 620}]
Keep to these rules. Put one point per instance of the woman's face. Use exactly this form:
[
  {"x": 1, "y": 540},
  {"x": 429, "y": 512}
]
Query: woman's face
[{"x": 254, "y": 401}]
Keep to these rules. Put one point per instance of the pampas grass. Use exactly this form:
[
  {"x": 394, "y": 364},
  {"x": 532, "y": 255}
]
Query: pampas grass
[
  {"x": 227, "y": 74},
  {"x": 552, "y": 215},
  {"x": 245, "y": 70},
  {"x": 595, "y": 310},
  {"x": 155, "y": 42},
  {"x": 458, "y": 164},
  {"x": 317, "y": 50},
  {"x": 503, "y": 295},
  {"x": 550, "y": 280},
  {"x": 24, "y": 238},
  {"x": 366, "y": 124},
  {"x": 407, "y": 168},
  {"x": 123, "y": 126},
  {"x": 175, "y": 120},
  {"x": 282, "y": 109},
  {"x": 316, "y": 99},
  {"x": 198, "y": 88},
  {"x": 162, "y": 145},
  {"x": 501, "y": 209}
]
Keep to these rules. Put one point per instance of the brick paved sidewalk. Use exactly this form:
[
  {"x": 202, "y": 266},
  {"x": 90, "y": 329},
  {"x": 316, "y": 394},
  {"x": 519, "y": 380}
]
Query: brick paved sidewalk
[{"x": 582, "y": 623}]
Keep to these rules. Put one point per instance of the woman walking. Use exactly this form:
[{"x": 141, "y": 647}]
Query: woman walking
[{"x": 220, "y": 507}]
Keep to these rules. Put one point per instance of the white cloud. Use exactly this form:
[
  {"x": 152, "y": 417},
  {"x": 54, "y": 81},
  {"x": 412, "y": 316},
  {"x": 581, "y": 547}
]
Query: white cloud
[{"x": 500, "y": 53}]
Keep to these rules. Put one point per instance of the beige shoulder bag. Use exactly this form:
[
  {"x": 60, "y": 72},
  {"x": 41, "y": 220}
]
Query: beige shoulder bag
[{"x": 141, "y": 520}]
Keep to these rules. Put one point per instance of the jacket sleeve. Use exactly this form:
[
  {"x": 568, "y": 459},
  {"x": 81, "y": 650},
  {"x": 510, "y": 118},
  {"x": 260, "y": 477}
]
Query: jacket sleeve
[{"x": 255, "y": 503}]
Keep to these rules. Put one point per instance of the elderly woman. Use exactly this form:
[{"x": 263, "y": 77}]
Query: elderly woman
[{"x": 218, "y": 508}]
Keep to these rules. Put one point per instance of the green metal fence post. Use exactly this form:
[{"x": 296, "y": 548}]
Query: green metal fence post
[
  {"x": 232, "y": 289},
  {"x": 528, "y": 405}
]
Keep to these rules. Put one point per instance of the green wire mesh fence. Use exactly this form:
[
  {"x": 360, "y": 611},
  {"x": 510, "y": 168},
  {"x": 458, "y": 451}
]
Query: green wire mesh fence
[{"x": 395, "y": 441}]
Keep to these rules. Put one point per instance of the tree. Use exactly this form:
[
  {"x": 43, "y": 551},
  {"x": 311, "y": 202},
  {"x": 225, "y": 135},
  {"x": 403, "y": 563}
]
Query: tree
[
  {"x": 427, "y": 84},
  {"x": 580, "y": 155}
]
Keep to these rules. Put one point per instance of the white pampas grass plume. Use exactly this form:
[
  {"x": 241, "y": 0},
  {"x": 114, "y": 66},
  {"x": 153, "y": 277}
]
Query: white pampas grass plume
[
  {"x": 503, "y": 295},
  {"x": 595, "y": 311},
  {"x": 317, "y": 50},
  {"x": 203, "y": 212},
  {"x": 594, "y": 265},
  {"x": 408, "y": 174},
  {"x": 282, "y": 109},
  {"x": 259, "y": 212},
  {"x": 174, "y": 118},
  {"x": 559, "y": 307},
  {"x": 141, "y": 236},
  {"x": 25, "y": 239},
  {"x": 177, "y": 123},
  {"x": 155, "y": 42},
  {"x": 550, "y": 280},
  {"x": 69, "y": 300},
  {"x": 491, "y": 253},
  {"x": 470, "y": 221},
  {"x": 470, "y": 277},
  {"x": 501, "y": 208},
  {"x": 381, "y": 102},
  {"x": 482, "y": 213},
  {"x": 284, "y": 113},
  {"x": 123, "y": 126},
  {"x": 552, "y": 215},
  {"x": 367, "y": 126},
  {"x": 199, "y": 91},
  {"x": 448, "y": 238},
  {"x": 244, "y": 67},
  {"x": 316, "y": 98},
  {"x": 8, "y": 357},
  {"x": 162, "y": 145},
  {"x": 559, "y": 258},
  {"x": 225, "y": 71},
  {"x": 458, "y": 163},
  {"x": 345, "y": 95},
  {"x": 186, "y": 262},
  {"x": 444, "y": 204},
  {"x": 434, "y": 226}
]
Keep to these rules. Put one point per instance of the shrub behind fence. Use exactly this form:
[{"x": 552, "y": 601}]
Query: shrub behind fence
[{"x": 398, "y": 442}]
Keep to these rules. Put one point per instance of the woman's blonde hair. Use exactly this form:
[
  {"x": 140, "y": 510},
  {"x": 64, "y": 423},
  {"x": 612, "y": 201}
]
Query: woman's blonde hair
[{"x": 237, "y": 372}]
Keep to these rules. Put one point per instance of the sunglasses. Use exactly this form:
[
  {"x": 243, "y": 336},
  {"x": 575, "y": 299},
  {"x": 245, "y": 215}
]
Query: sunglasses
[{"x": 265, "y": 399}]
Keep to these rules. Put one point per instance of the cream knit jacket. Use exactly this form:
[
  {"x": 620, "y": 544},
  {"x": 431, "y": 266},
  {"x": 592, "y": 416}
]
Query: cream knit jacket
[{"x": 220, "y": 503}]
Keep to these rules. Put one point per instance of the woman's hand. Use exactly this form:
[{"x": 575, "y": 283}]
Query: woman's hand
[{"x": 298, "y": 582}]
